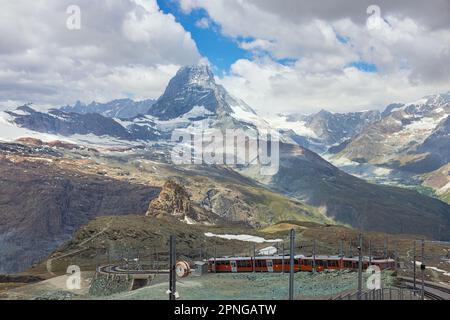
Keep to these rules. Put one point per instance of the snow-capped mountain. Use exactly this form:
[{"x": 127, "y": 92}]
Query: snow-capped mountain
[
  {"x": 404, "y": 136},
  {"x": 324, "y": 129},
  {"x": 192, "y": 101},
  {"x": 194, "y": 88},
  {"x": 122, "y": 109}
]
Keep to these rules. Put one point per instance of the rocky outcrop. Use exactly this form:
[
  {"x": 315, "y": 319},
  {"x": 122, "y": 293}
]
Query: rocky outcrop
[{"x": 173, "y": 200}]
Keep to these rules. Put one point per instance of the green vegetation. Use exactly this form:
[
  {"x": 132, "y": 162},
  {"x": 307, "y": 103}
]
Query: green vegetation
[{"x": 255, "y": 286}]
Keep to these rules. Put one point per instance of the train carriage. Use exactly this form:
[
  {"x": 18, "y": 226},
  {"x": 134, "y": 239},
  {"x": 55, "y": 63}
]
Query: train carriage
[
  {"x": 278, "y": 264},
  {"x": 321, "y": 263}
]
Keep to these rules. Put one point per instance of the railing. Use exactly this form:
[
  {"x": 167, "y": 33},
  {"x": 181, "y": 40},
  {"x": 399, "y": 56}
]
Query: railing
[{"x": 383, "y": 294}]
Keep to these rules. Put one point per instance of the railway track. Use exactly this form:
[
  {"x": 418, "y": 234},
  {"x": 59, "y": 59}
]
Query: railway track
[
  {"x": 116, "y": 270},
  {"x": 432, "y": 291}
]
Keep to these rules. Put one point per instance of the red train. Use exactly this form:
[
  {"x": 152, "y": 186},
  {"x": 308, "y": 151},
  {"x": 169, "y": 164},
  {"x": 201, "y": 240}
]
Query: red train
[{"x": 274, "y": 264}]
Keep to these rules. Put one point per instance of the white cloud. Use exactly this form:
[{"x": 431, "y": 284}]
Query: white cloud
[
  {"x": 124, "y": 47},
  {"x": 203, "y": 23},
  {"x": 274, "y": 88},
  {"x": 411, "y": 51}
]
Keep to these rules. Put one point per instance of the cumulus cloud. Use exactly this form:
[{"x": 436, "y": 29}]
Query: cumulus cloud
[
  {"x": 125, "y": 48},
  {"x": 203, "y": 23},
  {"x": 408, "y": 46}
]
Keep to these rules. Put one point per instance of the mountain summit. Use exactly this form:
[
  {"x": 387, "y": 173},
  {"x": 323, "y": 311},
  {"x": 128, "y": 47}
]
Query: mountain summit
[{"x": 195, "y": 86}]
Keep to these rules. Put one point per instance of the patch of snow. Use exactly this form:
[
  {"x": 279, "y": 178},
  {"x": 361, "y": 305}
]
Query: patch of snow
[
  {"x": 242, "y": 113},
  {"x": 242, "y": 237},
  {"x": 446, "y": 273},
  {"x": 382, "y": 171},
  {"x": 269, "y": 251},
  {"x": 418, "y": 102},
  {"x": 21, "y": 112},
  {"x": 341, "y": 161},
  {"x": 425, "y": 124},
  {"x": 299, "y": 127},
  {"x": 10, "y": 131},
  {"x": 188, "y": 220}
]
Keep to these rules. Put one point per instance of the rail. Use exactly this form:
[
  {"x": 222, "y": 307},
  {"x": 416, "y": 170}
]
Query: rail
[{"x": 391, "y": 293}]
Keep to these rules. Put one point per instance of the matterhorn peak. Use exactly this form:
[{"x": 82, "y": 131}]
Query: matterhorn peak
[{"x": 200, "y": 75}]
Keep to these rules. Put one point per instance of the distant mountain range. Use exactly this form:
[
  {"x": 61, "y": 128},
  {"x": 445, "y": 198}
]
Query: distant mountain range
[
  {"x": 194, "y": 101},
  {"x": 122, "y": 109},
  {"x": 409, "y": 137}
]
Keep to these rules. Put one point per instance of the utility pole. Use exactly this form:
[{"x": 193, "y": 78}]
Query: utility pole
[
  {"x": 350, "y": 249},
  {"x": 173, "y": 276},
  {"x": 215, "y": 259},
  {"x": 314, "y": 256},
  {"x": 291, "y": 269},
  {"x": 414, "y": 275},
  {"x": 360, "y": 267},
  {"x": 422, "y": 268},
  {"x": 395, "y": 256},
  {"x": 254, "y": 257},
  {"x": 385, "y": 249}
]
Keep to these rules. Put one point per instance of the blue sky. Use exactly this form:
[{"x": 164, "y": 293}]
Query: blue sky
[
  {"x": 291, "y": 62},
  {"x": 221, "y": 51}
]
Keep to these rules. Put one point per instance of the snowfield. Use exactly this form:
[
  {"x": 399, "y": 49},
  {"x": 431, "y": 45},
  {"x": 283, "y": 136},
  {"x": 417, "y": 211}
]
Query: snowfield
[{"x": 242, "y": 237}]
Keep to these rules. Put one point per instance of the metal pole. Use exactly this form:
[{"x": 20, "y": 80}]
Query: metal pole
[
  {"x": 173, "y": 277},
  {"x": 282, "y": 257},
  {"x": 215, "y": 259},
  {"x": 254, "y": 257},
  {"x": 360, "y": 267},
  {"x": 314, "y": 256},
  {"x": 414, "y": 275},
  {"x": 422, "y": 268},
  {"x": 395, "y": 257},
  {"x": 291, "y": 269},
  {"x": 350, "y": 249},
  {"x": 158, "y": 263}
]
